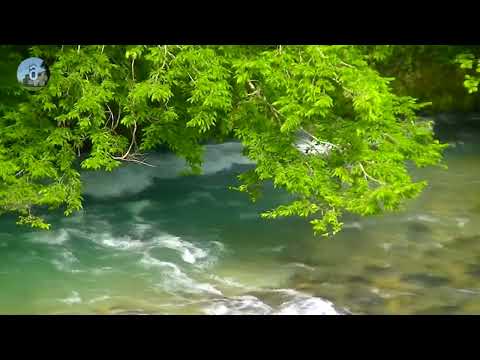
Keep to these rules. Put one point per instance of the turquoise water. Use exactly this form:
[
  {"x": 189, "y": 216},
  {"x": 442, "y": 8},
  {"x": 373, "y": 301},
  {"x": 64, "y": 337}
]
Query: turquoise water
[{"x": 149, "y": 241}]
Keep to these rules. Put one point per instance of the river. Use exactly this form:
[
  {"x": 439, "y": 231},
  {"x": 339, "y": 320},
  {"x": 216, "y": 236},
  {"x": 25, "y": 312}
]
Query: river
[{"x": 151, "y": 242}]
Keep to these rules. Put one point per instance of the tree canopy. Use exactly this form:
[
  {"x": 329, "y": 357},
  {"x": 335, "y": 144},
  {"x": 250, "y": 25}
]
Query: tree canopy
[{"x": 106, "y": 105}]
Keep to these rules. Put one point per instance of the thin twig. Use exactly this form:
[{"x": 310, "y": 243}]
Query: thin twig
[
  {"x": 348, "y": 65},
  {"x": 309, "y": 168},
  {"x": 118, "y": 116},
  {"x": 344, "y": 88},
  {"x": 367, "y": 176},
  {"x": 257, "y": 92},
  {"x": 132, "y": 160},
  {"x": 165, "y": 57},
  {"x": 391, "y": 138},
  {"x": 133, "y": 70},
  {"x": 112, "y": 117},
  {"x": 131, "y": 143}
]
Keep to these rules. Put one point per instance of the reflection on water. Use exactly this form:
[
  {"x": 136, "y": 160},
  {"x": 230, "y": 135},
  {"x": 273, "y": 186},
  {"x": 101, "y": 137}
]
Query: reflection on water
[{"x": 157, "y": 243}]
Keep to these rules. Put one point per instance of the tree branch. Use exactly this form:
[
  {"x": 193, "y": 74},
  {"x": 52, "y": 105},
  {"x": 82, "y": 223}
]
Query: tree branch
[
  {"x": 367, "y": 176},
  {"x": 133, "y": 69},
  {"x": 112, "y": 117},
  {"x": 347, "y": 65},
  {"x": 258, "y": 92},
  {"x": 131, "y": 159},
  {"x": 131, "y": 143}
]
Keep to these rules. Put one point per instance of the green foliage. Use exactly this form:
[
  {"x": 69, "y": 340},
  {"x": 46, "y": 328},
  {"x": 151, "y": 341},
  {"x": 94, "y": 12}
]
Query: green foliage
[
  {"x": 471, "y": 65},
  {"x": 105, "y": 105}
]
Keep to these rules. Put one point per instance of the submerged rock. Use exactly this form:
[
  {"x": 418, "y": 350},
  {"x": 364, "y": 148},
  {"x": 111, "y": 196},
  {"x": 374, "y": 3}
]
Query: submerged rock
[
  {"x": 366, "y": 300},
  {"x": 377, "y": 269},
  {"x": 358, "y": 279},
  {"x": 472, "y": 240},
  {"x": 426, "y": 279},
  {"x": 418, "y": 227}
]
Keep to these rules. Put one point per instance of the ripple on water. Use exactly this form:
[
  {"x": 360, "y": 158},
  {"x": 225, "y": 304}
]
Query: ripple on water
[
  {"x": 65, "y": 260},
  {"x": 174, "y": 280}
]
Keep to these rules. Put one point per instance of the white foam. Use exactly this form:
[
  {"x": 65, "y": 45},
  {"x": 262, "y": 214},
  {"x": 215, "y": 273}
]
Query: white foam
[
  {"x": 310, "y": 268},
  {"x": 386, "y": 246},
  {"x": 220, "y": 246},
  {"x": 136, "y": 207},
  {"x": 72, "y": 299},
  {"x": 188, "y": 252},
  {"x": 133, "y": 178},
  {"x": 309, "y": 306},
  {"x": 197, "y": 197},
  {"x": 230, "y": 282},
  {"x": 120, "y": 243},
  {"x": 299, "y": 304},
  {"x": 56, "y": 237},
  {"x": 174, "y": 279},
  {"x": 65, "y": 261},
  {"x": 223, "y": 156},
  {"x": 141, "y": 229},
  {"x": 469, "y": 291},
  {"x": 462, "y": 221},
  {"x": 303, "y": 304},
  {"x": 353, "y": 225},
  {"x": 279, "y": 248},
  {"x": 149, "y": 261},
  {"x": 240, "y": 305},
  {"x": 100, "y": 298},
  {"x": 424, "y": 218}
]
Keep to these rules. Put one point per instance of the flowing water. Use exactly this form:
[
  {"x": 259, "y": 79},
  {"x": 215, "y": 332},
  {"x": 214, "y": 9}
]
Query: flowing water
[{"x": 150, "y": 241}]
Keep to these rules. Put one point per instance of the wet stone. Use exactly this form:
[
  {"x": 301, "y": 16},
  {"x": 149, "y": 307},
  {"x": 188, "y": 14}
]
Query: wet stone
[
  {"x": 418, "y": 227},
  {"x": 357, "y": 279},
  {"x": 433, "y": 252}
]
